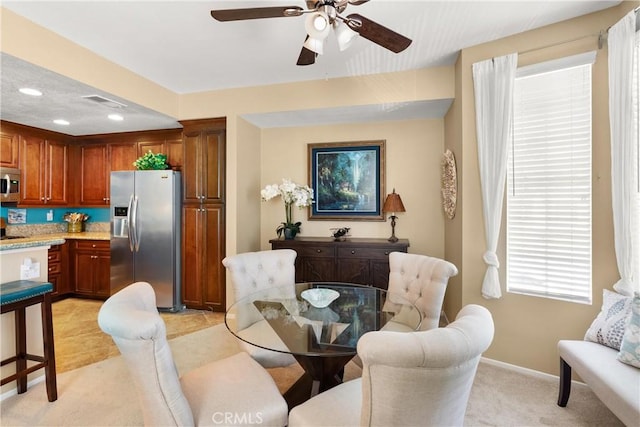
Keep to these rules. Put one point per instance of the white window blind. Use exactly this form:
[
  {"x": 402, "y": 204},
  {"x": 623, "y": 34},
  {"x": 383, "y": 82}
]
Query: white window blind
[{"x": 549, "y": 182}]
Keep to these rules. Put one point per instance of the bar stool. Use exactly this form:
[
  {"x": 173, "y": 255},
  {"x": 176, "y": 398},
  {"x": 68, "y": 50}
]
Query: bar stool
[{"x": 16, "y": 296}]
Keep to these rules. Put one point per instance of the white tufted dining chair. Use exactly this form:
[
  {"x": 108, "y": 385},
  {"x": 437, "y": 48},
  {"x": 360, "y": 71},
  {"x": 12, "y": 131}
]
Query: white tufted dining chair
[
  {"x": 420, "y": 279},
  {"x": 236, "y": 385},
  {"x": 420, "y": 378},
  {"x": 256, "y": 271}
]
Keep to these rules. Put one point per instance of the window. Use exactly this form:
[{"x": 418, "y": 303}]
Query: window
[{"x": 549, "y": 181}]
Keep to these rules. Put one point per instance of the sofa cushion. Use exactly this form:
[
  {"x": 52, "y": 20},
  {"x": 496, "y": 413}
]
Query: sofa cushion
[
  {"x": 608, "y": 327},
  {"x": 630, "y": 348}
]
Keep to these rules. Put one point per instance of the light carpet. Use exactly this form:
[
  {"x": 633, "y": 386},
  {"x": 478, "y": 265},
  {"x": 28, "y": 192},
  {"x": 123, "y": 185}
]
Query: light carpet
[{"x": 102, "y": 394}]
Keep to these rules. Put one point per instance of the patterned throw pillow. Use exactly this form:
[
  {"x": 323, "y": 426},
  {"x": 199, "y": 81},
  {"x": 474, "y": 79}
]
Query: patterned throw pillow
[
  {"x": 608, "y": 327},
  {"x": 630, "y": 348}
]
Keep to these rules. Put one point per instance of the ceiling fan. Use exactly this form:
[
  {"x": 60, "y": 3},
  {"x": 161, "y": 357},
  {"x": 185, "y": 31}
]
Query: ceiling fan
[{"x": 322, "y": 15}]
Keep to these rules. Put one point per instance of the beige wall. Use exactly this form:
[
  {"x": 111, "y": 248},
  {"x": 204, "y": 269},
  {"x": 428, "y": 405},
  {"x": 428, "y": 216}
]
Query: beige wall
[
  {"x": 528, "y": 328},
  {"x": 413, "y": 152}
]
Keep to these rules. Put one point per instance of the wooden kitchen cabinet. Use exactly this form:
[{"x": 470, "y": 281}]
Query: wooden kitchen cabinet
[
  {"x": 363, "y": 261},
  {"x": 58, "y": 269},
  {"x": 45, "y": 170},
  {"x": 171, "y": 147},
  {"x": 203, "y": 247},
  {"x": 91, "y": 268},
  {"x": 96, "y": 163},
  {"x": 203, "y": 275},
  {"x": 9, "y": 147},
  {"x": 204, "y": 159}
]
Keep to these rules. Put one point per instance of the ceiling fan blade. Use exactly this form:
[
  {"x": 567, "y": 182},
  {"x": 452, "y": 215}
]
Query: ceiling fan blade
[
  {"x": 307, "y": 56},
  {"x": 225, "y": 15},
  {"x": 377, "y": 33}
]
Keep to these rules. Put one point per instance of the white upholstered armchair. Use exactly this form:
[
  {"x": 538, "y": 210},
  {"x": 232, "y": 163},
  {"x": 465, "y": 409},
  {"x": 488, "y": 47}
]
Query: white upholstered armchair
[
  {"x": 408, "y": 378},
  {"x": 422, "y": 280},
  {"x": 255, "y": 271},
  {"x": 236, "y": 385}
]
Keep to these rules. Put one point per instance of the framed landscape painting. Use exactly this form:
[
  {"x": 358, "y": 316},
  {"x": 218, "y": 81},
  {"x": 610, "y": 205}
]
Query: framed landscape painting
[{"x": 347, "y": 180}]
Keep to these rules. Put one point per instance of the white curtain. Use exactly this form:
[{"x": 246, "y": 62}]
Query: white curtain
[
  {"x": 493, "y": 82},
  {"x": 623, "y": 145}
]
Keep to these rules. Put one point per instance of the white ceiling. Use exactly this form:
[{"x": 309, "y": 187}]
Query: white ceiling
[{"x": 177, "y": 45}]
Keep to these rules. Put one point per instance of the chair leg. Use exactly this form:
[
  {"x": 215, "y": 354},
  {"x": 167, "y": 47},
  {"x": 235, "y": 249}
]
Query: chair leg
[
  {"x": 49, "y": 350},
  {"x": 21, "y": 348},
  {"x": 565, "y": 383}
]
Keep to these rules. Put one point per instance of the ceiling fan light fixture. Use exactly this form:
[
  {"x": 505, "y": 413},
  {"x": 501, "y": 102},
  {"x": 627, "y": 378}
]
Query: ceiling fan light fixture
[
  {"x": 345, "y": 35},
  {"x": 317, "y": 25},
  {"x": 314, "y": 45}
]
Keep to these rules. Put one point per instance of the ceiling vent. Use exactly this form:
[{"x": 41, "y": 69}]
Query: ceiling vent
[{"x": 105, "y": 101}]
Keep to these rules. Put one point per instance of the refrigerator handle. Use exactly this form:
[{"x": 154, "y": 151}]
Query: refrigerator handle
[
  {"x": 136, "y": 232},
  {"x": 130, "y": 223}
]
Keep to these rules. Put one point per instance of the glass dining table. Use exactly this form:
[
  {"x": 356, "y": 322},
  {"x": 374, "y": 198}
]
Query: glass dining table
[{"x": 319, "y": 323}]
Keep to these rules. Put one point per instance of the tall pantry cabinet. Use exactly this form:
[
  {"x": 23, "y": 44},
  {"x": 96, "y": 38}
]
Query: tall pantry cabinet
[{"x": 203, "y": 214}]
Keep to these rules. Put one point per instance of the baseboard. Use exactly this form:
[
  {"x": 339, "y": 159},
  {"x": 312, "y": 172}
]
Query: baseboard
[
  {"x": 14, "y": 391},
  {"x": 524, "y": 371}
]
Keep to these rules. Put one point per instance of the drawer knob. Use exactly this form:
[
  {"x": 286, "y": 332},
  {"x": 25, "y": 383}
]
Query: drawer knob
[
  {"x": 319, "y": 251},
  {"x": 353, "y": 252},
  {"x": 386, "y": 252}
]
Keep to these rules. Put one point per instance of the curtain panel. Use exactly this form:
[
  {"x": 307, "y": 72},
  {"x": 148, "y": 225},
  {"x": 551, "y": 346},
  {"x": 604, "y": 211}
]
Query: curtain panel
[
  {"x": 493, "y": 82},
  {"x": 624, "y": 146}
]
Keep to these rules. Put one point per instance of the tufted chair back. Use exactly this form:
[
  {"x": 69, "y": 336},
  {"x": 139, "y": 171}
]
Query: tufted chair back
[
  {"x": 422, "y": 280},
  {"x": 131, "y": 318},
  {"x": 274, "y": 271},
  {"x": 420, "y": 378},
  {"x": 254, "y": 271}
]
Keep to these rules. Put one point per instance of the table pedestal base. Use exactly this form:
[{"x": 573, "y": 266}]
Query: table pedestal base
[{"x": 321, "y": 374}]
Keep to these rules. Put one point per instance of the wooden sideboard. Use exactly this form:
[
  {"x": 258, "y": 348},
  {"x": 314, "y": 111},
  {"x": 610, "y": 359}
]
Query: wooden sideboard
[{"x": 356, "y": 260}]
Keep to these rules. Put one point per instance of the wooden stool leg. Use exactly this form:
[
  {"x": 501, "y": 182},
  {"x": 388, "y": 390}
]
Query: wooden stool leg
[
  {"x": 49, "y": 350},
  {"x": 21, "y": 348}
]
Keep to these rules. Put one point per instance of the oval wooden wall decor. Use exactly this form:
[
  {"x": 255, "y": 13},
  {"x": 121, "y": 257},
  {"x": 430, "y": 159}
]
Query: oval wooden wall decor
[{"x": 449, "y": 184}]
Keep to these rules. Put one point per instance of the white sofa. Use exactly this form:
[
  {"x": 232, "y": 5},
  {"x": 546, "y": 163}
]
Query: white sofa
[{"x": 616, "y": 384}]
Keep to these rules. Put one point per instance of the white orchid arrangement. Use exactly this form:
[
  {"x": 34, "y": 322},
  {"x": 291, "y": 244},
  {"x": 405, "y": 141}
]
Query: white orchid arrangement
[{"x": 292, "y": 194}]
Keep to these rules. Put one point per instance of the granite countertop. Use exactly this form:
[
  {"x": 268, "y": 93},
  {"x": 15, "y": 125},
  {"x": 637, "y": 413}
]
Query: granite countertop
[{"x": 51, "y": 239}]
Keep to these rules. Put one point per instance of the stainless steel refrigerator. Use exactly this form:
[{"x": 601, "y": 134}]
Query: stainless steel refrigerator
[{"x": 145, "y": 233}]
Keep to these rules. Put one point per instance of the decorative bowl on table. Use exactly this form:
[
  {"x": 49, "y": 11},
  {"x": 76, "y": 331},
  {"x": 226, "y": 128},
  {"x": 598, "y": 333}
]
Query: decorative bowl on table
[{"x": 320, "y": 297}]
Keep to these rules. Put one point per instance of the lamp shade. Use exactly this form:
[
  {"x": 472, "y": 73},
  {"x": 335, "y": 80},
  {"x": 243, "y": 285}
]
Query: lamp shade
[
  {"x": 393, "y": 203},
  {"x": 344, "y": 34}
]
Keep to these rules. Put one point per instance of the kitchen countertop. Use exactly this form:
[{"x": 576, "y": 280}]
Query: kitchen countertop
[{"x": 51, "y": 239}]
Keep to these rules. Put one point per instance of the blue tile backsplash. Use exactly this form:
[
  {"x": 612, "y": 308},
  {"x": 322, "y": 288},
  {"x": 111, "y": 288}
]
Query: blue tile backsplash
[{"x": 39, "y": 215}]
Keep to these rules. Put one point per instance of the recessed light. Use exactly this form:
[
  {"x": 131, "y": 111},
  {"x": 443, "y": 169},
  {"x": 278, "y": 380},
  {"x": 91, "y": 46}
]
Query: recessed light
[
  {"x": 61, "y": 122},
  {"x": 116, "y": 117},
  {"x": 30, "y": 91}
]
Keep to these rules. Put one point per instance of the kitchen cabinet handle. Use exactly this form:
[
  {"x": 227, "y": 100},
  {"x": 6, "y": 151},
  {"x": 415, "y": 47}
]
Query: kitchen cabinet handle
[{"x": 42, "y": 199}]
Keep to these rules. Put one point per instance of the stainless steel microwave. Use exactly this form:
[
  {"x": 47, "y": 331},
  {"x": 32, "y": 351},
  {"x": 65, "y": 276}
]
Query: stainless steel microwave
[{"x": 9, "y": 185}]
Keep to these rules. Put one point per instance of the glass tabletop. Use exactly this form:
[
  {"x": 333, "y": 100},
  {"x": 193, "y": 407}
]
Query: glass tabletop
[{"x": 320, "y": 318}]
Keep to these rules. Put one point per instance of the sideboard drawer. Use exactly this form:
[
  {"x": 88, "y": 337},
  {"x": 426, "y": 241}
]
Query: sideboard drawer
[
  {"x": 363, "y": 252},
  {"x": 317, "y": 251}
]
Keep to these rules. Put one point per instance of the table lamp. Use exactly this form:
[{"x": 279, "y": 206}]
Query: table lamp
[{"x": 393, "y": 204}]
